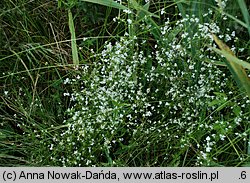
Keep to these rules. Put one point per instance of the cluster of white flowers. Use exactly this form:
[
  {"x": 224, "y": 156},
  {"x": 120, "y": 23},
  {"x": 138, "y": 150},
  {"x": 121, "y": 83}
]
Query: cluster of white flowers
[
  {"x": 131, "y": 91},
  {"x": 221, "y": 4}
]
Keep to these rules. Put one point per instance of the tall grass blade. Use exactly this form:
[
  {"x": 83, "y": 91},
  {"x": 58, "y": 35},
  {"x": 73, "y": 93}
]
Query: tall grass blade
[
  {"x": 181, "y": 8},
  {"x": 109, "y": 3},
  {"x": 245, "y": 13},
  {"x": 237, "y": 20},
  {"x": 232, "y": 58},
  {"x": 131, "y": 27},
  {"x": 73, "y": 39},
  {"x": 142, "y": 11},
  {"x": 145, "y": 7},
  {"x": 26, "y": 68},
  {"x": 236, "y": 66}
]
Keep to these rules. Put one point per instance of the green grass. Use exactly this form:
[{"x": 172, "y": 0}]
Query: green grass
[{"x": 151, "y": 88}]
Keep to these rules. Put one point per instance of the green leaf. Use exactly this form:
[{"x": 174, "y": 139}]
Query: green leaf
[
  {"x": 73, "y": 39},
  {"x": 237, "y": 20},
  {"x": 140, "y": 13},
  {"x": 237, "y": 110},
  {"x": 109, "y": 3},
  {"x": 235, "y": 65},
  {"x": 245, "y": 13},
  {"x": 232, "y": 58},
  {"x": 142, "y": 10},
  {"x": 181, "y": 8},
  {"x": 221, "y": 101}
]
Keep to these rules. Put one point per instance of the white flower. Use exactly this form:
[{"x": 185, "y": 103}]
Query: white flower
[
  {"x": 208, "y": 138},
  {"x": 162, "y": 11},
  {"x": 127, "y": 11},
  {"x": 191, "y": 67},
  {"x": 66, "y": 81},
  {"x": 208, "y": 149}
]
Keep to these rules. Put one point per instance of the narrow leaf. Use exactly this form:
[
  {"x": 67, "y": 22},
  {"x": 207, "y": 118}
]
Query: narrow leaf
[
  {"x": 181, "y": 8},
  {"x": 142, "y": 9},
  {"x": 109, "y": 3},
  {"x": 235, "y": 65},
  {"x": 237, "y": 20},
  {"x": 232, "y": 58},
  {"x": 73, "y": 39},
  {"x": 245, "y": 13}
]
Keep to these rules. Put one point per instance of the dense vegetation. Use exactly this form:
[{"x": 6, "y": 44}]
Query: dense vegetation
[{"x": 124, "y": 83}]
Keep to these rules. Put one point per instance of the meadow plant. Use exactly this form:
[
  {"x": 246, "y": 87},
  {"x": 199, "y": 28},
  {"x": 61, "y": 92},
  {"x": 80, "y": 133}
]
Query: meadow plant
[{"x": 157, "y": 102}]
